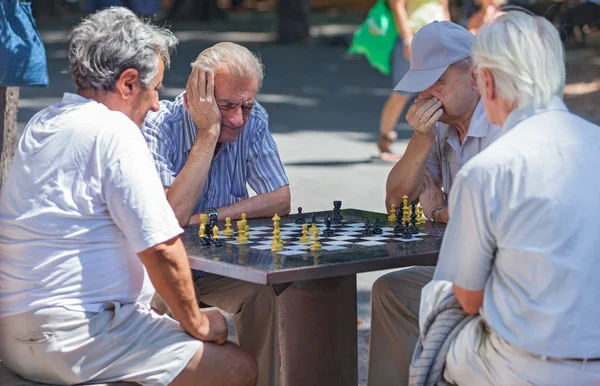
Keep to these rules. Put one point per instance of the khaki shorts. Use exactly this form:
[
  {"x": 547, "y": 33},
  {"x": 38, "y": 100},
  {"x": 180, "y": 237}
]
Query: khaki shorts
[{"x": 125, "y": 342}]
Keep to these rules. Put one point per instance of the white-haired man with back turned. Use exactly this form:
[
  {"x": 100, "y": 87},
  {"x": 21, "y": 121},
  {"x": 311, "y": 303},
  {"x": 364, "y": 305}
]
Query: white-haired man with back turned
[
  {"x": 208, "y": 145},
  {"x": 515, "y": 252},
  {"x": 86, "y": 233}
]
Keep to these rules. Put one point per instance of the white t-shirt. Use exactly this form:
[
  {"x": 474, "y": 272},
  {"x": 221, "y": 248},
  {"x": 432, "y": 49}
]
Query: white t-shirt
[{"x": 81, "y": 199}]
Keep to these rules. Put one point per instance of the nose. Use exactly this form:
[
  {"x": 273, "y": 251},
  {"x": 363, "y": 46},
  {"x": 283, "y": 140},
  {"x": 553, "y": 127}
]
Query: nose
[
  {"x": 155, "y": 106},
  {"x": 236, "y": 117}
]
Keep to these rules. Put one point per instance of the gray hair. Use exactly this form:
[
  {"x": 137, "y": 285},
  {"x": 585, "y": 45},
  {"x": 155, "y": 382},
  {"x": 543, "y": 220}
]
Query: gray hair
[
  {"x": 463, "y": 65},
  {"x": 237, "y": 59},
  {"x": 113, "y": 40},
  {"x": 525, "y": 57}
]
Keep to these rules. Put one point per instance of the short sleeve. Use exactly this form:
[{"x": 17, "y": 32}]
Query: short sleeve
[
  {"x": 161, "y": 151},
  {"x": 468, "y": 247},
  {"x": 134, "y": 195},
  {"x": 265, "y": 169},
  {"x": 434, "y": 162}
]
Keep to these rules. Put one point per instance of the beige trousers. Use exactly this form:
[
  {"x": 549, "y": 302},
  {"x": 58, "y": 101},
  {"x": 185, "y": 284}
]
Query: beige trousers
[
  {"x": 478, "y": 357},
  {"x": 253, "y": 309},
  {"x": 395, "y": 302}
]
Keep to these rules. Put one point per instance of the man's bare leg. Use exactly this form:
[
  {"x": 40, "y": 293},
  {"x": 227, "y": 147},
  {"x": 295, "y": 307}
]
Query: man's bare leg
[
  {"x": 219, "y": 365},
  {"x": 390, "y": 113}
]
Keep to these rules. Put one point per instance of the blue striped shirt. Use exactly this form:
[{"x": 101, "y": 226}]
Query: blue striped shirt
[{"x": 251, "y": 159}]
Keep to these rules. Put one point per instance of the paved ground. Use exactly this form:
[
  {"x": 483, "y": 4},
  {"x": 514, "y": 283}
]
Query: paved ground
[{"x": 324, "y": 111}]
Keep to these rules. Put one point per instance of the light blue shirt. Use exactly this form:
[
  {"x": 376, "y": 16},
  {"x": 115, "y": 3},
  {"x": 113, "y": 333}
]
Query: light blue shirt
[
  {"x": 524, "y": 226},
  {"x": 251, "y": 159},
  {"x": 448, "y": 154}
]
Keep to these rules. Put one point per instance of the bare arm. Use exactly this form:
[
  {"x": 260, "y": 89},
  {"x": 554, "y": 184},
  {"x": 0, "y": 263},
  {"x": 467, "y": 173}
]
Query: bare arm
[
  {"x": 446, "y": 9},
  {"x": 471, "y": 301},
  {"x": 406, "y": 177},
  {"x": 261, "y": 205},
  {"x": 170, "y": 273},
  {"x": 184, "y": 193},
  {"x": 398, "y": 8}
]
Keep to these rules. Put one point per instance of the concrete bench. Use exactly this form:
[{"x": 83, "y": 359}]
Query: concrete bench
[{"x": 8, "y": 378}]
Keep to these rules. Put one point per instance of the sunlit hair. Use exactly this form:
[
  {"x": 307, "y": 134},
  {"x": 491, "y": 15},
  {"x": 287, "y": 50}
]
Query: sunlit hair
[
  {"x": 113, "y": 40},
  {"x": 238, "y": 60},
  {"x": 525, "y": 57}
]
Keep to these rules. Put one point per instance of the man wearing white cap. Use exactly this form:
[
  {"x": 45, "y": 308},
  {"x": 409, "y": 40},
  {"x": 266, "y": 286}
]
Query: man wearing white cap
[{"x": 450, "y": 127}]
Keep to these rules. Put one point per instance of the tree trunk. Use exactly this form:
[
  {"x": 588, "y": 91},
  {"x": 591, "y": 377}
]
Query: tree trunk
[
  {"x": 293, "y": 21},
  {"x": 9, "y": 100}
]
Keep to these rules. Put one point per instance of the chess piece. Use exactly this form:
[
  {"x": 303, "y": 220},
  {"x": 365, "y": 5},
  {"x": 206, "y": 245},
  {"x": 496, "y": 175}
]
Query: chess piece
[
  {"x": 241, "y": 232},
  {"x": 377, "y": 229},
  {"x": 420, "y": 216},
  {"x": 244, "y": 220},
  {"x": 337, "y": 217},
  {"x": 202, "y": 231},
  {"x": 399, "y": 229},
  {"x": 404, "y": 201},
  {"x": 316, "y": 246},
  {"x": 215, "y": 238},
  {"x": 228, "y": 232},
  {"x": 276, "y": 244},
  {"x": 328, "y": 232},
  {"x": 313, "y": 227},
  {"x": 407, "y": 232},
  {"x": 392, "y": 216},
  {"x": 203, "y": 218},
  {"x": 413, "y": 218},
  {"x": 300, "y": 219},
  {"x": 247, "y": 231},
  {"x": 367, "y": 231},
  {"x": 276, "y": 220},
  {"x": 305, "y": 238}
]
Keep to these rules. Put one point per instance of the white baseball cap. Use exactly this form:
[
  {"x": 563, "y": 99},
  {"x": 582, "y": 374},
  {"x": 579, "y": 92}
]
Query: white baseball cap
[{"x": 435, "y": 47}]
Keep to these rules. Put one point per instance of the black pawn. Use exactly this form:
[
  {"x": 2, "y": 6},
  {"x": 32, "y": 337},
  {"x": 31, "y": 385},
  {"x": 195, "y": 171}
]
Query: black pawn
[
  {"x": 314, "y": 218},
  {"x": 300, "y": 219},
  {"x": 377, "y": 230},
  {"x": 328, "y": 232}
]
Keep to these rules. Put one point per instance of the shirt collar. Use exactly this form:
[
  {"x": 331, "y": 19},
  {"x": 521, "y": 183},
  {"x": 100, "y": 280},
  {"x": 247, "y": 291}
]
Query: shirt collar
[
  {"x": 479, "y": 125},
  {"x": 71, "y": 98},
  {"x": 523, "y": 113}
]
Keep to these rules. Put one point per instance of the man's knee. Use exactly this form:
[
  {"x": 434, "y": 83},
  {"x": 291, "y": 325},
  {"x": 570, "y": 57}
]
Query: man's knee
[
  {"x": 403, "y": 282},
  {"x": 246, "y": 369}
]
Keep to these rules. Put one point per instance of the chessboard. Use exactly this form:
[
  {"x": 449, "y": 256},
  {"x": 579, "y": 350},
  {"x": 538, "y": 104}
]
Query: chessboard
[{"x": 333, "y": 231}]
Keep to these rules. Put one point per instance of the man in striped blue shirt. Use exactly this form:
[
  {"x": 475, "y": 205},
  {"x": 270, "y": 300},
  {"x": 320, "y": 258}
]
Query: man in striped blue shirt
[{"x": 207, "y": 146}]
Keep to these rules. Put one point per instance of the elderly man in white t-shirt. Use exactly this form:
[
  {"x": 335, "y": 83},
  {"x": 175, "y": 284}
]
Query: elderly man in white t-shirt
[
  {"x": 450, "y": 128},
  {"x": 516, "y": 250},
  {"x": 86, "y": 233}
]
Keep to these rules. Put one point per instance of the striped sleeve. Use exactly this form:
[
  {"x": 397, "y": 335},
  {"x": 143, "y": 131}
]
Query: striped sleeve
[
  {"x": 265, "y": 169},
  {"x": 162, "y": 152}
]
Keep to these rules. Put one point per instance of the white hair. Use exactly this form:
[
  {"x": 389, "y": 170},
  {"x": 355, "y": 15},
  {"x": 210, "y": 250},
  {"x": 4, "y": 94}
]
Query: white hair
[
  {"x": 525, "y": 57},
  {"x": 238, "y": 60},
  {"x": 113, "y": 40}
]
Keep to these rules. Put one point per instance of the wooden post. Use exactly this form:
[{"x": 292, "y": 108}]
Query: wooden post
[
  {"x": 293, "y": 21},
  {"x": 9, "y": 101}
]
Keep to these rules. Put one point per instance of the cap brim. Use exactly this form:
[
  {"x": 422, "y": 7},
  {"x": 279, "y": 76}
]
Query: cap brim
[{"x": 419, "y": 80}]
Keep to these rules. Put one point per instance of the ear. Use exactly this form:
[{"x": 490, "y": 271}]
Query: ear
[
  {"x": 128, "y": 83},
  {"x": 473, "y": 77},
  {"x": 489, "y": 84}
]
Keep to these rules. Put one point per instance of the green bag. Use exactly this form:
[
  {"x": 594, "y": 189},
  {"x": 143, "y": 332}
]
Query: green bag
[{"x": 376, "y": 37}]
